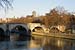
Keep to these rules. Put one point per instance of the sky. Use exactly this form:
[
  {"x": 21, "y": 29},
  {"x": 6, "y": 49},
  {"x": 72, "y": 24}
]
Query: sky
[{"x": 25, "y": 7}]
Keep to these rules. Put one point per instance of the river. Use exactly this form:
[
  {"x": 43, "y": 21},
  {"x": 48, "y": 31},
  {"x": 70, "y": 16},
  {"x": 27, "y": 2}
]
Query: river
[{"x": 39, "y": 43}]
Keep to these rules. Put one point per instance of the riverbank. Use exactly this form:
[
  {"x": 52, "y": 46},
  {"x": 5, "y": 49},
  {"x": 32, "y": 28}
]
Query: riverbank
[{"x": 59, "y": 35}]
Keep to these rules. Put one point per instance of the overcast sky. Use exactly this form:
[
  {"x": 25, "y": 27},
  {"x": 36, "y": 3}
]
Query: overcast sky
[{"x": 25, "y": 7}]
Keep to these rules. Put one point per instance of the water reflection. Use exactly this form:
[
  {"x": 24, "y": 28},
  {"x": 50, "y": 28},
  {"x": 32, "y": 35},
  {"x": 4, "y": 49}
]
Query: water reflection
[
  {"x": 11, "y": 45},
  {"x": 39, "y": 43},
  {"x": 50, "y": 43}
]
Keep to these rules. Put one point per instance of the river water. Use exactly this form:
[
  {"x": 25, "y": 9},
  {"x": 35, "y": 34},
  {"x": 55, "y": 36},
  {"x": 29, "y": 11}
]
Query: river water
[{"x": 39, "y": 43}]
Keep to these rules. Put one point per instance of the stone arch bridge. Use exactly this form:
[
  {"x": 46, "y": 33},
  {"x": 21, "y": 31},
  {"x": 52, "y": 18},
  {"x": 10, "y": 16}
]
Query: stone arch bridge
[{"x": 8, "y": 28}]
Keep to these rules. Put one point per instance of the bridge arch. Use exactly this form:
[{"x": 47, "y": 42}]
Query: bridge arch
[
  {"x": 3, "y": 26},
  {"x": 1, "y": 31},
  {"x": 13, "y": 25},
  {"x": 18, "y": 29},
  {"x": 54, "y": 29},
  {"x": 2, "y": 35},
  {"x": 38, "y": 28}
]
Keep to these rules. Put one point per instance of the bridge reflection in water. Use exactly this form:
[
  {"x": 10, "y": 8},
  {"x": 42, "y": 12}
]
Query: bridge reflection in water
[{"x": 39, "y": 43}]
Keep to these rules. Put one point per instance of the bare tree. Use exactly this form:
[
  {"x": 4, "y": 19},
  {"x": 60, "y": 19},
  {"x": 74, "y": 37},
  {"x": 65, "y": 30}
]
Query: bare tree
[{"x": 6, "y": 4}]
